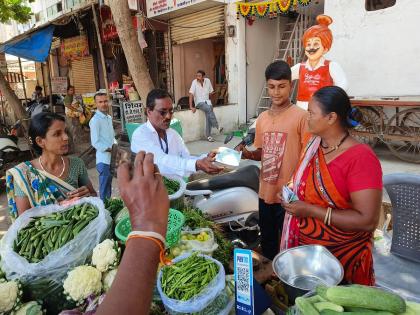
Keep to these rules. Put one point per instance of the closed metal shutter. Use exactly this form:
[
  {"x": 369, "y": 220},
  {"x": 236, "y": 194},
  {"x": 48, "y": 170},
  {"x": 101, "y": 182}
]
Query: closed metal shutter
[
  {"x": 200, "y": 25},
  {"x": 83, "y": 75}
]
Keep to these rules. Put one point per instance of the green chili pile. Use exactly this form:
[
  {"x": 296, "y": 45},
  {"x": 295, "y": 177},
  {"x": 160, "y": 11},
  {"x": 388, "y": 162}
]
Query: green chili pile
[
  {"x": 187, "y": 278},
  {"x": 172, "y": 186}
]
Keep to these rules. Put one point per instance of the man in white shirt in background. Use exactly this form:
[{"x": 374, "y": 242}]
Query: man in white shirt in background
[
  {"x": 170, "y": 152},
  {"x": 200, "y": 91}
]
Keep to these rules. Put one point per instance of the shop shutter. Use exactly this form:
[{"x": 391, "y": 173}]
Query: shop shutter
[
  {"x": 200, "y": 25},
  {"x": 83, "y": 75}
]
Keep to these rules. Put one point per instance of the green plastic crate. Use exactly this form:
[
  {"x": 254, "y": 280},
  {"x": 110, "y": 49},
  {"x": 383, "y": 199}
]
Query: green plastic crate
[{"x": 176, "y": 221}]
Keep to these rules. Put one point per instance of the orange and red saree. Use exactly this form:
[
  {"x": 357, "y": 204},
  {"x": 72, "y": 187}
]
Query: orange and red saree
[{"x": 315, "y": 185}]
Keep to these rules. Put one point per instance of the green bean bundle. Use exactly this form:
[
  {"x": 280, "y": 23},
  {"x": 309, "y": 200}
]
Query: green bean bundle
[
  {"x": 187, "y": 278},
  {"x": 46, "y": 234},
  {"x": 172, "y": 186}
]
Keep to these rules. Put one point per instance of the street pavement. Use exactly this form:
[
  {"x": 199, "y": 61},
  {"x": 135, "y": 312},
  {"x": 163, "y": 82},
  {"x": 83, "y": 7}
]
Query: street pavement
[{"x": 390, "y": 164}]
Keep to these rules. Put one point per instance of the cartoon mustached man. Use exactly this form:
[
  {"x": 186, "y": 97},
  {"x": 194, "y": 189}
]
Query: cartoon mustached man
[{"x": 317, "y": 72}]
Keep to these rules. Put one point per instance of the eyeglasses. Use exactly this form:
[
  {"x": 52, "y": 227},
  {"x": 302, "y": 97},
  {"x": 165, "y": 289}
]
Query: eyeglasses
[{"x": 163, "y": 113}]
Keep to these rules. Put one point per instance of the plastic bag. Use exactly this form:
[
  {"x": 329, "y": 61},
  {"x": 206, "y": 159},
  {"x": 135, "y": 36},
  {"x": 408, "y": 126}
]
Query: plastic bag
[
  {"x": 182, "y": 187},
  {"x": 198, "y": 302},
  {"x": 49, "y": 272},
  {"x": 206, "y": 247}
]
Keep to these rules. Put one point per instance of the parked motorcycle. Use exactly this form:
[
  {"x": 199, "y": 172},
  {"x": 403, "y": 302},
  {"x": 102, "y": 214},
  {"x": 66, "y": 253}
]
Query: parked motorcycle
[{"x": 10, "y": 153}]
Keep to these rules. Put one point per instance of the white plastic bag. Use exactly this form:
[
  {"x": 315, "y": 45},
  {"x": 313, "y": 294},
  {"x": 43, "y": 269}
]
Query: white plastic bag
[
  {"x": 206, "y": 247},
  {"x": 56, "y": 265},
  {"x": 201, "y": 300},
  {"x": 182, "y": 187}
]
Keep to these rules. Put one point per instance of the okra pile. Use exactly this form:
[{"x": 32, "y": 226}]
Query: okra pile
[
  {"x": 187, "y": 278},
  {"x": 48, "y": 233},
  {"x": 172, "y": 186}
]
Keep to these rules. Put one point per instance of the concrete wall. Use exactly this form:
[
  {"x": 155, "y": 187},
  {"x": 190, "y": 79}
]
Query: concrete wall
[
  {"x": 378, "y": 50},
  {"x": 187, "y": 59},
  {"x": 193, "y": 125},
  {"x": 261, "y": 46},
  {"x": 236, "y": 62}
]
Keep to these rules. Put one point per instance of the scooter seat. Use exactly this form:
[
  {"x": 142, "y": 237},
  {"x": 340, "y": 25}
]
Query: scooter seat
[{"x": 247, "y": 176}]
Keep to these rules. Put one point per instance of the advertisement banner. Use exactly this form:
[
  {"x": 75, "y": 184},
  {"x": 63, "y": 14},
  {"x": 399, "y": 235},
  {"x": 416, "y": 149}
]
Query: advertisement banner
[
  {"x": 158, "y": 7},
  {"x": 75, "y": 47},
  {"x": 59, "y": 85}
]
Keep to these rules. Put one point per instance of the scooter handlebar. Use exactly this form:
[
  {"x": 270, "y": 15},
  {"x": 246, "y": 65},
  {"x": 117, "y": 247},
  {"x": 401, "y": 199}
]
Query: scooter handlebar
[{"x": 197, "y": 192}]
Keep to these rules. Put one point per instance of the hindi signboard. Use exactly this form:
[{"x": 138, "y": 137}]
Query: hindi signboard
[
  {"x": 59, "y": 85},
  {"x": 158, "y": 7},
  {"x": 133, "y": 112}
]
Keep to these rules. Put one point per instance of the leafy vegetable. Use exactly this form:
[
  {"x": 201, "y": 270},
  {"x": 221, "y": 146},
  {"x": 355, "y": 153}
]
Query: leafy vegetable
[
  {"x": 172, "y": 186},
  {"x": 114, "y": 205}
]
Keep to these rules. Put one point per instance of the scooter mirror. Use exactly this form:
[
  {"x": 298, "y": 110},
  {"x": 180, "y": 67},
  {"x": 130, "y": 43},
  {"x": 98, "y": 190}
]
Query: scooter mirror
[{"x": 228, "y": 138}]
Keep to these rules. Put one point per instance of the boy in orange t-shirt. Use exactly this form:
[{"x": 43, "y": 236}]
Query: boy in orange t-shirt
[{"x": 278, "y": 140}]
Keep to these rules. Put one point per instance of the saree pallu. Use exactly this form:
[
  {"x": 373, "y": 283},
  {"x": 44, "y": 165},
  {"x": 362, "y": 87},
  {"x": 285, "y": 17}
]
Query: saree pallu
[
  {"x": 41, "y": 188},
  {"x": 353, "y": 249}
]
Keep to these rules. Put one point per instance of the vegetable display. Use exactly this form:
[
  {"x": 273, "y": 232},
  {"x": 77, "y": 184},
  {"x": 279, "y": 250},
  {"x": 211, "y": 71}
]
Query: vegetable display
[
  {"x": 45, "y": 234},
  {"x": 354, "y": 300},
  {"x": 81, "y": 282},
  {"x": 172, "y": 186},
  {"x": 114, "y": 205},
  {"x": 106, "y": 255},
  {"x": 187, "y": 278}
]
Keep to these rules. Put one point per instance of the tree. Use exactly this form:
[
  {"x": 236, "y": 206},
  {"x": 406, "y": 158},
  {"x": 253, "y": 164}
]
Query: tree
[
  {"x": 133, "y": 54},
  {"x": 13, "y": 10}
]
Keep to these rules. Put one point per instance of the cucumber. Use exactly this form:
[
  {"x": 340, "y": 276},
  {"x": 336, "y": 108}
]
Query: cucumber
[
  {"x": 321, "y": 290},
  {"x": 305, "y": 307},
  {"x": 320, "y": 306},
  {"x": 366, "y": 297},
  {"x": 315, "y": 299},
  {"x": 359, "y": 309}
]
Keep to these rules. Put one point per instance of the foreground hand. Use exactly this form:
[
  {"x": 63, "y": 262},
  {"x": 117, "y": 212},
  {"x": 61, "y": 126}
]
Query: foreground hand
[
  {"x": 206, "y": 165},
  {"x": 79, "y": 193},
  {"x": 193, "y": 110},
  {"x": 144, "y": 194},
  {"x": 297, "y": 208}
]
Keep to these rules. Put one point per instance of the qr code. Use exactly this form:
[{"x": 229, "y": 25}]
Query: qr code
[{"x": 242, "y": 279}]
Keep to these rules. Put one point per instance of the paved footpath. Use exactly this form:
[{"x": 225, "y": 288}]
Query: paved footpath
[{"x": 390, "y": 164}]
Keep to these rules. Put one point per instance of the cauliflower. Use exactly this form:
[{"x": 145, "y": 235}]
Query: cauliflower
[
  {"x": 10, "y": 294},
  {"x": 32, "y": 308},
  {"x": 106, "y": 255},
  {"x": 108, "y": 278},
  {"x": 81, "y": 282}
]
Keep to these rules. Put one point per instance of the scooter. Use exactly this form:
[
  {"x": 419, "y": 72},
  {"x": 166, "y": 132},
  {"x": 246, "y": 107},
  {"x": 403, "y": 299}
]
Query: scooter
[{"x": 230, "y": 199}]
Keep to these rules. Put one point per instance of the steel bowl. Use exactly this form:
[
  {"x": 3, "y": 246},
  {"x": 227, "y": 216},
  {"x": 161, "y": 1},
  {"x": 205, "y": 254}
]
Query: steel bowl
[{"x": 303, "y": 268}]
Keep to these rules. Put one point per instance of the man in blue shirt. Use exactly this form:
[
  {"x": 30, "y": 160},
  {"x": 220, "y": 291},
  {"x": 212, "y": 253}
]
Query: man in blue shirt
[{"x": 102, "y": 137}]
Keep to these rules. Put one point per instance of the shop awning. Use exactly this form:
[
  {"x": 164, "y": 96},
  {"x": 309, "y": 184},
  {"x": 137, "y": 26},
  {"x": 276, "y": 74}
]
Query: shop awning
[{"x": 35, "y": 46}]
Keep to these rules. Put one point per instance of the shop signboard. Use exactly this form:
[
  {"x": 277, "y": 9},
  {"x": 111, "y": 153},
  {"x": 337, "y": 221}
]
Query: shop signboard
[
  {"x": 59, "y": 85},
  {"x": 158, "y": 7},
  {"x": 133, "y": 112},
  {"x": 75, "y": 47}
]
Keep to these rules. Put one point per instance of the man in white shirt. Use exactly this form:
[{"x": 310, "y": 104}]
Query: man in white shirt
[
  {"x": 170, "y": 152},
  {"x": 200, "y": 91}
]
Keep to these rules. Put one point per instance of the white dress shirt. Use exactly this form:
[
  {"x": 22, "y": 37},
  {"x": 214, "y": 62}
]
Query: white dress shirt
[
  {"x": 336, "y": 73},
  {"x": 201, "y": 92},
  {"x": 177, "y": 161}
]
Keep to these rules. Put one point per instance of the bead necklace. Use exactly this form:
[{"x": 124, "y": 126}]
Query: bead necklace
[{"x": 335, "y": 147}]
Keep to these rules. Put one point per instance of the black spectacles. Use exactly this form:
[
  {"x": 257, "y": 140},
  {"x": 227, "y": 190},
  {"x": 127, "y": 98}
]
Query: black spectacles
[{"x": 163, "y": 113}]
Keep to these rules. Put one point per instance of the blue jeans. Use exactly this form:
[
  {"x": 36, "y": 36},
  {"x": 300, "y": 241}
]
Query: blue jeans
[{"x": 105, "y": 180}]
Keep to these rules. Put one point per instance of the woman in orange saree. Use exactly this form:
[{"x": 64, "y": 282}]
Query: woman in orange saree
[{"x": 339, "y": 186}]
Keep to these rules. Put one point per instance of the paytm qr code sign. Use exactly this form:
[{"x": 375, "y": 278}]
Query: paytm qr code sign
[{"x": 243, "y": 281}]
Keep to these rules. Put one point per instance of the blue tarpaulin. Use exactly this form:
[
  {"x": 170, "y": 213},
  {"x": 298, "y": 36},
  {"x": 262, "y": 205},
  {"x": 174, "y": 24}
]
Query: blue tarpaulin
[{"x": 35, "y": 46}]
